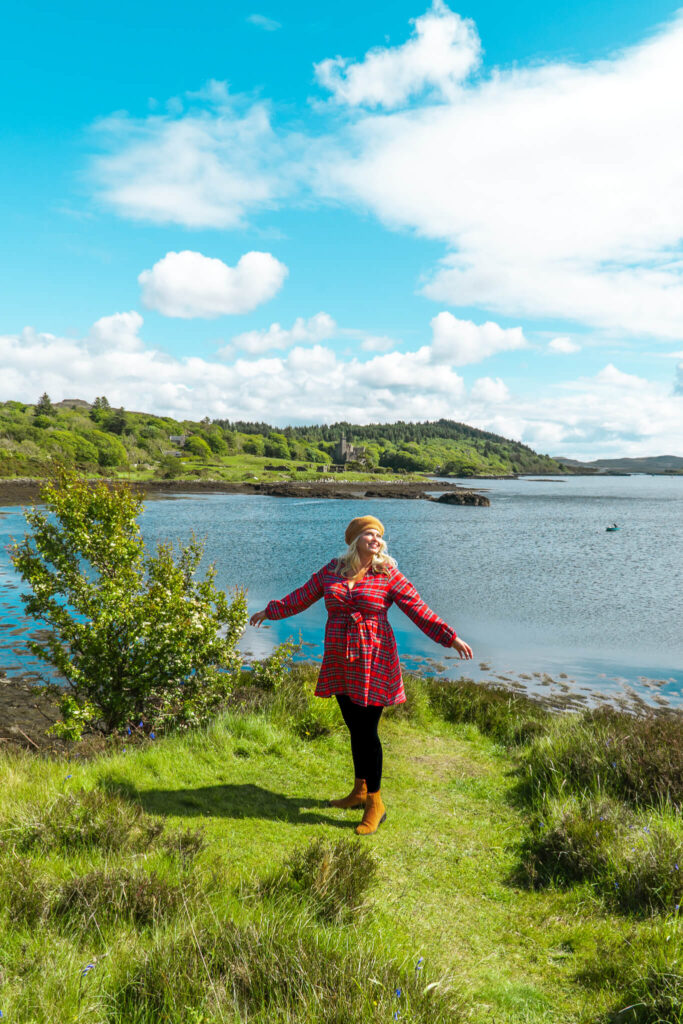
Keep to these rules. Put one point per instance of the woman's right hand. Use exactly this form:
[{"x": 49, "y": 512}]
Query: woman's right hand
[{"x": 257, "y": 618}]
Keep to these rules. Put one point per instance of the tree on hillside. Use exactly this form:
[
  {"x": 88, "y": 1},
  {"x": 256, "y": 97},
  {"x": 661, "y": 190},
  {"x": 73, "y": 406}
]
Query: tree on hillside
[
  {"x": 197, "y": 446},
  {"x": 217, "y": 442},
  {"x": 134, "y": 635},
  {"x": 100, "y": 409},
  {"x": 115, "y": 422},
  {"x": 44, "y": 406},
  {"x": 276, "y": 446}
]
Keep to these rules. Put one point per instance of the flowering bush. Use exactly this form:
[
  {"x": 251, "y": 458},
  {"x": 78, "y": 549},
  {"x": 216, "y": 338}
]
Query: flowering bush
[{"x": 134, "y": 635}]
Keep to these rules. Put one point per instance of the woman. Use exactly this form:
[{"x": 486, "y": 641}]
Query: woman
[{"x": 360, "y": 664}]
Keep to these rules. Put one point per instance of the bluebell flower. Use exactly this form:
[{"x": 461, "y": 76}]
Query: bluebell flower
[
  {"x": 140, "y": 724},
  {"x": 152, "y": 736},
  {"x": 420, "y": 964},
  {"x": 396, "y": 1014},
  {"x": 614, "y": 764},
  {"x": 616, "y": 885},
  {"x": 128, "y": 730},
  {"x": 677, "y": 907},
  {"x": 676, "y": 867},
  {"x": 398, "y": 991},
  {"x": 68, "y": 777},
  {"x": 87, "y": 969}
]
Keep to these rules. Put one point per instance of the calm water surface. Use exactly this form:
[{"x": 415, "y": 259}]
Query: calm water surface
[{"x": 533, "y": 583}]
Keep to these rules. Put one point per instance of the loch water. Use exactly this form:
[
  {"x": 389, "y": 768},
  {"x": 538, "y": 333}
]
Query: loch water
[{"x": 535, "y": 584}]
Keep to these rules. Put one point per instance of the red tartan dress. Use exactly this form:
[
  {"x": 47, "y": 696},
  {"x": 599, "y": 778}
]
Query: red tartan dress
[{"x": 361, "y": 659}]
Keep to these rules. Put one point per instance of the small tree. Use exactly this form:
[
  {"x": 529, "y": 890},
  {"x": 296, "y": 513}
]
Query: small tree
[
  {"x": 134, "y": 635},
  {"x": 44, "y": 406},
  {"x": 197, "y": 446}
]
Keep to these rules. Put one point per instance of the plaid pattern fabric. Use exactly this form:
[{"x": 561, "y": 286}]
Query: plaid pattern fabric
[{"x": 361, "y": 659}]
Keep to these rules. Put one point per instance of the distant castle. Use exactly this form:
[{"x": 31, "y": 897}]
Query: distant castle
[{"x": 345, "y": 452}]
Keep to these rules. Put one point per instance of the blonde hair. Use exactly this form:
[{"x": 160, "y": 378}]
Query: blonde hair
[{"x": 349, "y": 564}]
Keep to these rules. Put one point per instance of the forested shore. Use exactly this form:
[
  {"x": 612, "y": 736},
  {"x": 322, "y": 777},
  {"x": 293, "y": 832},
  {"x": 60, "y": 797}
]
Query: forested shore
[{"x": 102, "y": 441}]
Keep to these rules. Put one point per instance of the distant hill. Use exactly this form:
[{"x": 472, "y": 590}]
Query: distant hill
[
  {"x": 649, "y": 464},
  {"x": 97, "y": 439}
]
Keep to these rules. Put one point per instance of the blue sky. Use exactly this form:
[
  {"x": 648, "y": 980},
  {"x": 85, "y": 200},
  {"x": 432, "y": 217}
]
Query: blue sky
[{"x": 470, "y": 211}]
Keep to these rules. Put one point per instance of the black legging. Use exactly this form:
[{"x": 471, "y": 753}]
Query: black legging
[{"x": 366, "y": 749}]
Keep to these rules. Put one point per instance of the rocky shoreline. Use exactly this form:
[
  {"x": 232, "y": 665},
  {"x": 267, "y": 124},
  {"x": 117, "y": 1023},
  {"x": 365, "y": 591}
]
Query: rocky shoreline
[{"x": 21, "y": 492}]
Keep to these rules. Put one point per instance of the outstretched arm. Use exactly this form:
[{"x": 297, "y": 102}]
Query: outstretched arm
[
  {"x": 409, "y": 601},
  {"x": 294, "y": 603}
]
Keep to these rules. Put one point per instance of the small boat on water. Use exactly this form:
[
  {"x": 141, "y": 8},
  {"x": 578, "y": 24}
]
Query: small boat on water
[{"x": 612, "y": 529}]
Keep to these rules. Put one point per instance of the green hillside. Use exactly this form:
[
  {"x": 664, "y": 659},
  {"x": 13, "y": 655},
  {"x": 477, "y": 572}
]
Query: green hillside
[
  {"x": 645, "y": 464},
  {"x": 100, "y": 440}
]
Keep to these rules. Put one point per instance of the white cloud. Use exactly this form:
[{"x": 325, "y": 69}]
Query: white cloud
[
  {"x": 316, "y": 328},
  {"x": 460, "y": 341},
  {"x": 119, "y": 331},
  {"x": 264, "y": 22},
  {"x": 564, "y": 346},
  {"x": 444, "y": 49},
  {"x": 377, "y": 343},
  {"x": 555, "y": 188},
  {"x": 208, "y": 167},
  {"x": 187, "y": 284},
  {"x": 490, "y": 390},
  {"x": 611, "y": 413}
]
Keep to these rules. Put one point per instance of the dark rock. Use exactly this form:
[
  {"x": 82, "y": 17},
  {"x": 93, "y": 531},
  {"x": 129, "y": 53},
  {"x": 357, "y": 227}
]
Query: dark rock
[
  {"x": 462, "y": 498},
  {"x": 396, "y": 492}
]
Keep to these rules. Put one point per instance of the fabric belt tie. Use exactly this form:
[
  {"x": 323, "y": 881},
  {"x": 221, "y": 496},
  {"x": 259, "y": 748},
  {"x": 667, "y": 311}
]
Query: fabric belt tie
[{"x": 360, "y": 628}]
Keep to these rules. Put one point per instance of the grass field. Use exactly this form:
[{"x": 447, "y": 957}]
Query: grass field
[{"x": 201, "y": 877}]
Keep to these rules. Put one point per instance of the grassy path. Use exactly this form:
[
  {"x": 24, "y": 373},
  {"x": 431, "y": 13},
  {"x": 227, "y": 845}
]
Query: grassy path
[
  {"x": 443, "y": 891},
  {"x": 446, "y": 850}
]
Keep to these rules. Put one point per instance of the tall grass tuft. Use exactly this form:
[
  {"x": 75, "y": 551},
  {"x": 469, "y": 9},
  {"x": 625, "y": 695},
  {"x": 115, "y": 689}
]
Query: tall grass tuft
[
  {"x": 275, "y": 969},
  {"x": 637, "y": 759},
  {"x": 509, "y": 718},
  {"x": 106, "y": 895},
  {"x": 645, "y": 969},
  {"x": 634, "y": 862},
  {"x": 79, "y": 820},
  {"x": 333, "y": 877}
]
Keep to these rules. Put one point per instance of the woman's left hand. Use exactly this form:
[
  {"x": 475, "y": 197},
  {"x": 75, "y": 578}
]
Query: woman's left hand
[{"x": 463, "y": 649}]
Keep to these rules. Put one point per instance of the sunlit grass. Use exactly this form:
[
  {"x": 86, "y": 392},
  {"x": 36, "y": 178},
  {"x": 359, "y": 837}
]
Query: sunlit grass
[{"x": 262, "y": 915}]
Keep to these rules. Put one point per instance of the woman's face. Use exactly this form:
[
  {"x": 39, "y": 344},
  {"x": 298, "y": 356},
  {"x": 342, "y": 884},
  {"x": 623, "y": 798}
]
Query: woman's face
[{"x": 369, "y": 544}]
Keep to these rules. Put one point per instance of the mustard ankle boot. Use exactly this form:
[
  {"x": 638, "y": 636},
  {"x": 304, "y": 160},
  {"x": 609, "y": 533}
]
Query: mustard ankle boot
[
  {"x": 356, "y": 797},
  {"x": 375, "y": 814}
]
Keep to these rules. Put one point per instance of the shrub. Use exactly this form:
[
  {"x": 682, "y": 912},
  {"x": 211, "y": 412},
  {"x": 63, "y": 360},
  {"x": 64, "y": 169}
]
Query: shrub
[
  {"x": 132, "y": 635},
  {"x": 511, "y": 719},
  {"x": 75, "y": 717},
  {"x": 287, "y": 692},
  {"x": 295, "y": 702},
  {"x": 638, "y": 759},
  {"x": 270, "y": 673},
  {"x": 334, "y": 877}
]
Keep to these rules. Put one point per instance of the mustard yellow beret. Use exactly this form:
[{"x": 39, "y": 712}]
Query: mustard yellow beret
[{"x": 359, "y": 525}]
